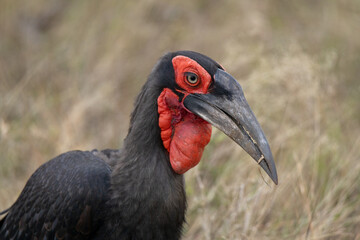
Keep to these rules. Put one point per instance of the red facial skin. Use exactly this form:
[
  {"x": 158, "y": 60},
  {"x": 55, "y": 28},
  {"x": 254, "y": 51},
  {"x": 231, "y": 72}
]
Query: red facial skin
[{"x": 184, "y": 134}]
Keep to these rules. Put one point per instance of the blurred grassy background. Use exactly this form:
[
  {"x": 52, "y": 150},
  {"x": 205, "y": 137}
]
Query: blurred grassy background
[{"x": 70, "y": 70}]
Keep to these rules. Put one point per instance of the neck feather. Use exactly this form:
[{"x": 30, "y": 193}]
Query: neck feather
[{"x": 145, "y": 190}]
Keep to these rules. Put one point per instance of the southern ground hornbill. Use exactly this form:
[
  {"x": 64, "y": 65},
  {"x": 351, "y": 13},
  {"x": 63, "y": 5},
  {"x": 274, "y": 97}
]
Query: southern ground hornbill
[{"x": 137, "y": 192}]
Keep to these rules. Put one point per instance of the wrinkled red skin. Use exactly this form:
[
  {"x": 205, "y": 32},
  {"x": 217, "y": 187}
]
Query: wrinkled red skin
[
  {"x": 184, "y": 64},
  {"x": 184, "y": 134}
]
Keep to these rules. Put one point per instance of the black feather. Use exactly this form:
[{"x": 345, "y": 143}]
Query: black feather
[{"x": 55, "y": 197}]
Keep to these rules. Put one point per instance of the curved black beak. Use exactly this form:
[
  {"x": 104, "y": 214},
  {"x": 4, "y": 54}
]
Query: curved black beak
[{"x": 226, "y": 108}]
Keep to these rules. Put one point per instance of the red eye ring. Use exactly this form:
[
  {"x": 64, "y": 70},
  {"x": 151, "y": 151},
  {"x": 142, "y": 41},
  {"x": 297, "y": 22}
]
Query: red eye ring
[{"x": 192, "y": 79}]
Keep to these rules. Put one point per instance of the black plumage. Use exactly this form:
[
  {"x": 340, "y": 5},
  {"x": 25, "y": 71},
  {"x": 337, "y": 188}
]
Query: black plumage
[
  {"x": 132, "y": 193},
  {"x": 62, "y": 199}
]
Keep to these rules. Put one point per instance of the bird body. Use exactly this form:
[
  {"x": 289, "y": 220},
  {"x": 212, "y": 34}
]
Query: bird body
[{"x": 138, "y": 192}]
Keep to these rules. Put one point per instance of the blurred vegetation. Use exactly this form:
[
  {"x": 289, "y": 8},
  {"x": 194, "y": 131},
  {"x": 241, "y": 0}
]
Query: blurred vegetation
[{"x": 70, "y": 70}]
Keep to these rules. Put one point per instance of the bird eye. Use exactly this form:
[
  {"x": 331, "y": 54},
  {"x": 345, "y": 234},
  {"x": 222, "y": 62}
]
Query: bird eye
[{"x": 191, "y": 78}]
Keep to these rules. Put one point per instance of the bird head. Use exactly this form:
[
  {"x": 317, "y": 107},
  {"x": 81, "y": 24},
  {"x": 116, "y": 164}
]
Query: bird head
[{"x": 196, "y": 92}]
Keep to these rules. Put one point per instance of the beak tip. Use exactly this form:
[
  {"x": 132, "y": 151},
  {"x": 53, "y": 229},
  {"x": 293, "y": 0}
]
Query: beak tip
[
  {"x": 273, "y": 175},
  {"x": 275, "y": 179},
  {"x": 270, "y": 169}
]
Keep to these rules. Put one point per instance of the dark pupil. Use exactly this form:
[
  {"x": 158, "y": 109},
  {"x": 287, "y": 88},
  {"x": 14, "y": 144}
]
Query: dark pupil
[{"x": 192, "y": 78}]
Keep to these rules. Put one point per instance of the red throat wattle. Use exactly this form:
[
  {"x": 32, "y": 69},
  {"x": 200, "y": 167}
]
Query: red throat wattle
[{"x": 184, "y": 134}]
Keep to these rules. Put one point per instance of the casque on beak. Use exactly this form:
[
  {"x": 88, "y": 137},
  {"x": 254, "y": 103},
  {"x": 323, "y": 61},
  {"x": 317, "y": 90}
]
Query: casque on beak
[{"x": 226, "y": 108}]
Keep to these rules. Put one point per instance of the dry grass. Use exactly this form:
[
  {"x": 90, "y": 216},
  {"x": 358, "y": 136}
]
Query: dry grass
[{"x": 69, "y": 71}]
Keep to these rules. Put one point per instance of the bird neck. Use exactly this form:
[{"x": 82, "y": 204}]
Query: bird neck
[
  {"x": 144, "y": 133},
  {"x": 145, "y": 190}
]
